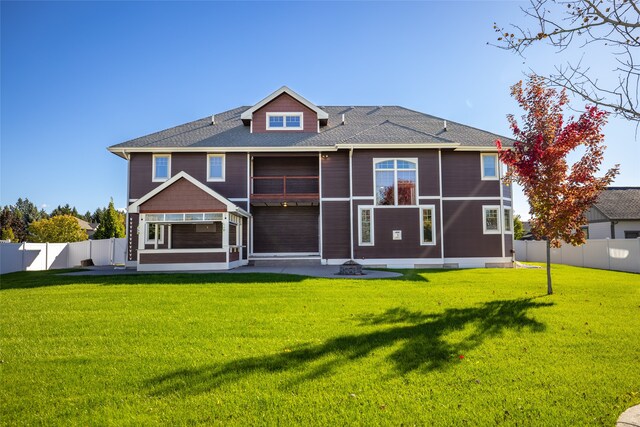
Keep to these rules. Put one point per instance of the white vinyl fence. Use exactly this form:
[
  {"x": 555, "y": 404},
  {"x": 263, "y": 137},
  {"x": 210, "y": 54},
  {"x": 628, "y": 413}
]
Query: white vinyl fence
[
  {"x": 606, "y": 254},
  {"x": 50, "y": 256}
]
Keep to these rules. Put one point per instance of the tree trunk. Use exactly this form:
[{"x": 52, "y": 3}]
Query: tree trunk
[{"x": 549, "y": 288}]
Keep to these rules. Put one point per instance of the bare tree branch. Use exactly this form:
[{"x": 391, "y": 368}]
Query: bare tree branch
[{"x": 611, "y": 23}]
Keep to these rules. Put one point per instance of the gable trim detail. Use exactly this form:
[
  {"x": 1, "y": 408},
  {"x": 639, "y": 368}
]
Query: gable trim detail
[
  {"x": 248, "y": 115},
  {"x": 135, "y": 207}
]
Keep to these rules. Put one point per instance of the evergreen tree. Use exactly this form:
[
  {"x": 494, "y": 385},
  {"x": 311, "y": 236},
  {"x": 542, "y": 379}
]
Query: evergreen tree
[{"x": 112, "y": 224}]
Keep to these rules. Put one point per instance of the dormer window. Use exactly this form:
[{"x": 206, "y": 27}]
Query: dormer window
[{"x": 284, "y": 121}]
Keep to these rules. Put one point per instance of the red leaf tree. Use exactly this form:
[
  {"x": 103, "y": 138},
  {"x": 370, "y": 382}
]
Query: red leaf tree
[{"x": 558, "y": 194}]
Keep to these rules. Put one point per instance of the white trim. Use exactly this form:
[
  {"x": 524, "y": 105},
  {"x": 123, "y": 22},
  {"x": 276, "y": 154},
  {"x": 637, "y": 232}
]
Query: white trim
[
  {"x": 363, "y": 198},
  {"x": 132, "y": 200},
  {"x": 440, "y": 201},
  {"x": 368, "y": 146},
  {"x": 284, "y": 116},
  {"x": 351, "y": 203},
  {"x": 470, "y": 262},
  {"x": 489, "y": 148},
  {"x": 432, "y": 208},
  {"x": 190, "y": 266},
  {"x": 224, "y": 162},
  {"x": 488, "y": 198},
  {"x": 153, "y": 167},
  {"x": 183, "y": 251},
  {"x": 334, "y": 199},
  {"x": 429, "y": 197},
  {"x": 501, "y": 216},
  {"x": 320, "y": 228},
  {"x": 238, "y": 199},
  {"x": 248, "y": 114},
  {"x": 484, "y": 219},
  {"x": 283, "y": 255},
  {"x": 134, "y": 207},
  {"x": 146, "y": 234},
  {"x": 371, "y": 226},
  {"x": 484, "y": 177},
  {"x": 510, "y": 223},
  {"x": 395, "y": 170}
]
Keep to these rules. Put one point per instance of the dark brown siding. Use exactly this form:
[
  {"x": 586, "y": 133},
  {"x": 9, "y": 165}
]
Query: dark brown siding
[
  {"x": 508, "y": 245},
  {"x": 285, "y": 166},
  {"x": 175, "y": 258},
  {"x": 335, "y": 174},
  {"x": 335, "y": 230},
  {"x": 385, "y": 221},
  {"x": 189, "y": 236},
  {"x": 461, "y": 176},
  {"x": 195, "y": 164},
  {"x": 428, "y": 176},
  {"x": 463, "y": 230},
  {"x": 132, "y": 237},
  {"x": 234, "y": 256},
  {"x": 140, "y": 179},
  {"x": 278, "y": 229},
  {"x": 285, "y": 104},
  {"x": 182, "y": 196}
]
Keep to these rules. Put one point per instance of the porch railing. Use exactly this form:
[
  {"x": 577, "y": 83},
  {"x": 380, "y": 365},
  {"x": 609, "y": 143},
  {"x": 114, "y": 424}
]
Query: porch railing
[{"x": 284, "y": 187}]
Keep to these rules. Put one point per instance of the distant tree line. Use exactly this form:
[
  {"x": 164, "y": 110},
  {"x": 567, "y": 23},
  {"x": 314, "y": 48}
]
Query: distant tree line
[{"x": 24, "y": 222}]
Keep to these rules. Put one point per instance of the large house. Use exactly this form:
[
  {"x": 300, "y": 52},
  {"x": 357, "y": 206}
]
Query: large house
[
  {"x": 616, "y": 214},
  {"x": 287, "y": 179}
]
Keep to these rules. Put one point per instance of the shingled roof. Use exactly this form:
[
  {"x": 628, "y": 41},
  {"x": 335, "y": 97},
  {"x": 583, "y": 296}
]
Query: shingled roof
[
  {"x": 620, "y": 203},
  {"x": 363, "y": 125}
]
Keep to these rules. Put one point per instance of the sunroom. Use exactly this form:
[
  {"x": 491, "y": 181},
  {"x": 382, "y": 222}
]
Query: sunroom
[{"x": 184, "y": 225}]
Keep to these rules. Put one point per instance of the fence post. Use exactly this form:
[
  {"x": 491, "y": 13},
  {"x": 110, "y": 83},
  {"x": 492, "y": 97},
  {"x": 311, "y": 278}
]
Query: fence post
[
  {"x": 90, "y": 249},
  {"x": 46, "y": 256},
  {"x": 582, "y": 251},
  {"x": 24, "y": 249},
  {"x": 608, "y": 253},
  {"x": 112, "y": 245}
]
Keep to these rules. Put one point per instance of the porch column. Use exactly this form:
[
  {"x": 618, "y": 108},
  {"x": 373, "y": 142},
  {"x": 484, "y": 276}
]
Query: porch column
[
  {"x": 155, "y": 240},
  {"x": 225, "y": 235}
]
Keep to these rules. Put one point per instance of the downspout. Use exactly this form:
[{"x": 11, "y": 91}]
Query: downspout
[
  {"x": 351, "y": 199},
  {"x": 441, "y": 210},
  {"x": 127, "y": 229}
]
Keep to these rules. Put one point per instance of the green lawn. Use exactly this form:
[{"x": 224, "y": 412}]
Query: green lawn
[{"x": 435, "y": 347}]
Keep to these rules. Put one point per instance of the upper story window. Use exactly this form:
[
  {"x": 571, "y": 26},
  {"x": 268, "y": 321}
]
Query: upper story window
[
  {"x": 395, "y": 181},
  {"x": 284, "y": 121},
  {"x": 489, "y": 163},
  {"x": 161, "y": 167},
  {"x": 508, "y": 221},
  {"x": 427, "y": 219},
  {"x": 215, "y": 167}
]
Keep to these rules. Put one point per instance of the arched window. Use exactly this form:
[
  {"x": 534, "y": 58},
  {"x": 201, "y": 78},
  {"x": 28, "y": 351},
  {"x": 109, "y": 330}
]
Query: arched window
[{"x": 395, "y": 181}]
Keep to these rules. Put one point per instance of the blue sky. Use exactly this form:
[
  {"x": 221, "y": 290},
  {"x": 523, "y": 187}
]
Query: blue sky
[{"x": 78, "y": 77}]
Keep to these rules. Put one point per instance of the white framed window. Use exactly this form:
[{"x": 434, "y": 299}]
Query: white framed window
[
  {"x": 507, "y": 221},
  {"x": 491, "y": 219},
  {"x": 150, "y": 233},
  {"x": 365, "y": 226},
  {"x": 215, "y": 167},
  {"x": 428, "y": 225},
  {"x": 396, "y": 182},
  {"x": 161, "y": 167},
  {"x": 285, "y": 121},
  {"x": 489, "y": 166}
]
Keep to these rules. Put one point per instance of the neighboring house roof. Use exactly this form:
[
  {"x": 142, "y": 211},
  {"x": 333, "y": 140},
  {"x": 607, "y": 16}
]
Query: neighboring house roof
[
  {"x": 364, "y": 126},
  {"x": 620, "y": 203},
  {"x": 85, "y": 225}
]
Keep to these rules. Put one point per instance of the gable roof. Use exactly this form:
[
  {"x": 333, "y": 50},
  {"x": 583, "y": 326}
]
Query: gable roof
[
  {"x": 620, "y": 203},
  {"x": 248, "y": 115},
  {"x": 364, "y": 127},
  {"x": 231, "y": 207}
]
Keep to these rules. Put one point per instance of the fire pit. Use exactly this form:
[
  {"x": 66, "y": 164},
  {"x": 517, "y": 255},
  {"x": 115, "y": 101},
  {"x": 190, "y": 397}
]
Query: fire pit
[{"x": 351, "y": 268}]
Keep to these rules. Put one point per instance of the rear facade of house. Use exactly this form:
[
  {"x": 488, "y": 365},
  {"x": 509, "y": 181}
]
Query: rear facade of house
[{"x": 287, "y": 179}]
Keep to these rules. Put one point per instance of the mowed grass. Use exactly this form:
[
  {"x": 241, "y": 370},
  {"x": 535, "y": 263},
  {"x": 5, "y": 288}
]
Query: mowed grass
[{"x": 435, "y": 347}]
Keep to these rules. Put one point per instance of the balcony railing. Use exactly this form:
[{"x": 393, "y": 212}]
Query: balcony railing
[{"x": 284, "y": 187}]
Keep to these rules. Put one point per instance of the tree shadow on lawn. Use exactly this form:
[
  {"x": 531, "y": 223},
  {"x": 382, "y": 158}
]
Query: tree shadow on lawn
[
  {"x": 38, "y": 279},
  {"x": 423, "y": 338}
]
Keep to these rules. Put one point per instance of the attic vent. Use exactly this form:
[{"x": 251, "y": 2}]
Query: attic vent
[
  {"x": 445, "y": 125},
  {"x": 343, "y": 119},
  {"x": 213, "y": 119}
]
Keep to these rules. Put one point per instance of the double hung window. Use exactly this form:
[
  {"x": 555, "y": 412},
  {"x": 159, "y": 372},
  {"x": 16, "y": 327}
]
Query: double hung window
[
  {"x": 161, "y": 167},
  {"x": 215, "y": 167},
  {"x": 489, "y": 164}
]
